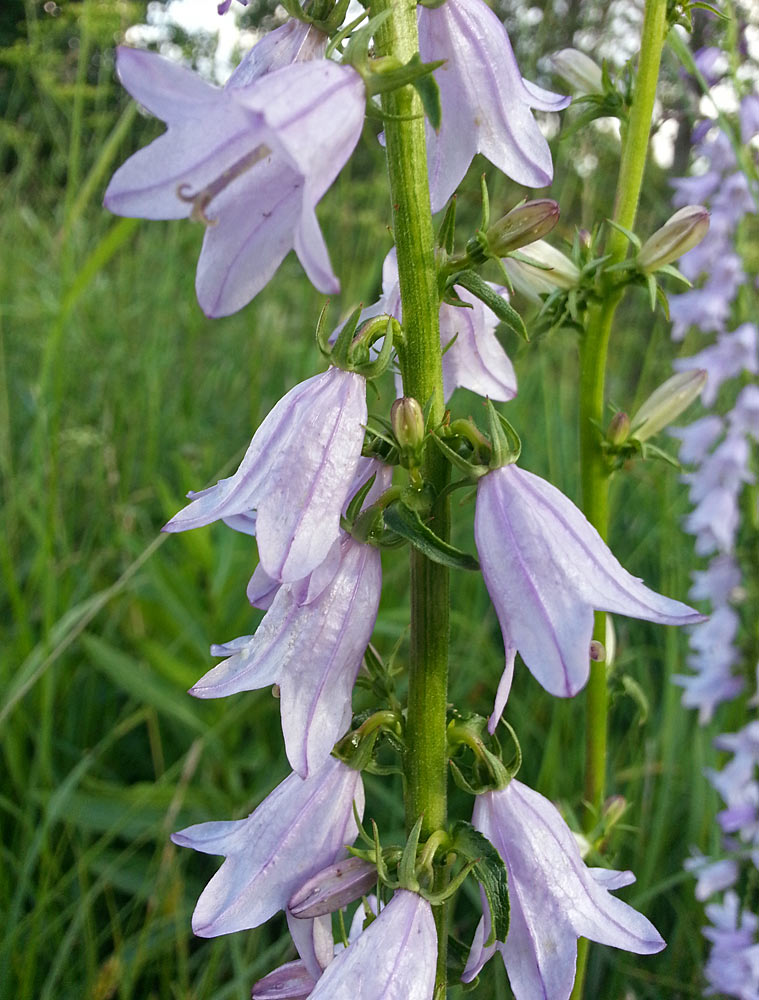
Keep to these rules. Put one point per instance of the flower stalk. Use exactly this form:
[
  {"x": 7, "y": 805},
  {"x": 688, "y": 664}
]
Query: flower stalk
[
  {"x": 593, "y": 356},
  {"x": 421, "y": 368}
]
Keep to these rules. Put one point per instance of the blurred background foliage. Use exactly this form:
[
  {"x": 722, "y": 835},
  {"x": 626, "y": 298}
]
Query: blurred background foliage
[{"x": 117, "y": 396}]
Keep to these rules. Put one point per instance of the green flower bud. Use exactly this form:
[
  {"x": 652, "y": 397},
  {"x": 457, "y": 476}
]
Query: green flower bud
[
  {"x": 667, "y": 402},
  {"x": 580, "y": 72},
  {"x": 541, "y": 269},
  {"x": 618, "y": 430},
  {"x": 679, "y": 234},
  {"x": 407, "y": 420},
  {"x": 522, "y": 225}
]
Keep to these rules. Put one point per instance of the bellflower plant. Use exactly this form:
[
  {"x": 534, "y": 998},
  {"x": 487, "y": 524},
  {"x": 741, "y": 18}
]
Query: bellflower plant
[
  {"x": 554, "y": 898},
  {"x": 487, "y": 106},
  {"x": 297, "y": 495},
  {"x": 327, "y": 485},
  {"x": 278, "y": 141}
]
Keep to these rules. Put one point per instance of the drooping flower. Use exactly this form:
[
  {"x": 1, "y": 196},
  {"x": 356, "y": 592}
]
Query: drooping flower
[
  {"x": 312, "y": 648},
  {"x": 294, "y": 41},
  {"x": 546, "y": 569},
  {"x": 300, "y": 828},
  {"x": 297, "y": 474},
  {"x": 251, "y": 161},
  {"x": 393, "y": 959},
  {"x": 553, "y": 897},
  {"x": 475, "y": 359},
  {"x": 486, "y": 105}
]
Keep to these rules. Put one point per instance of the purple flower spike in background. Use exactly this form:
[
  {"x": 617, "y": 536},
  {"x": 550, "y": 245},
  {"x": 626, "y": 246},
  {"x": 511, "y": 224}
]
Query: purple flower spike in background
[
  {"x": 297, "y": 474},
  {"x": 300, "y": 828},
  {"x": 553, "y": 897},
  {"x": 485, "y": 102},
  {"x": 251, "y": 162},
  {"x": 312, "y": 649},
  {"x": 394, "y": 958},
  {"x": 546, "y": 569}
]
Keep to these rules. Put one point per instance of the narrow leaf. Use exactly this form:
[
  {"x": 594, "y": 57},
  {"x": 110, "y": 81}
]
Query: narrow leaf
[
  {"x": 408, "y": 525},
  {"x": 505, "y": 312},
  {"x": 491, "y": 873}
]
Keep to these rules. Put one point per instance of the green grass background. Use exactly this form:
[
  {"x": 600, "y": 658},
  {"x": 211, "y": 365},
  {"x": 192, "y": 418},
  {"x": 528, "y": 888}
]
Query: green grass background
[{"x": 117, "y": 396}]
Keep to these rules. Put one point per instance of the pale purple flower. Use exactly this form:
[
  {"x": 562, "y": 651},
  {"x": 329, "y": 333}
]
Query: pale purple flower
[
  {"x": 744, "y": 417},
  {"x": 718, "y": 582},
  {"x": 294, "y": 41},
  {"x": 714, "y": 522},
  {"x": 297, "y": 474},
  {"x": 291, "y": 981},
  {"x": 473, "y": 358},
  {"x": 546, "y": 569},
  {"x": 312, "y": 649},
  {"x": 486, "y": 105},
  {"x": 251, "y": 161},
  {"x": 697, "y": 438},
  {"x": 300, "y": 828},
  {"x": 711, "y": 876},
  {"x": 727, "y": 467},
  {"x": 732, "y": 969},
  {"x": 749, "y": 117},
  {"x": 393, "y": 959},
  {"x": 553, "y": 897}
]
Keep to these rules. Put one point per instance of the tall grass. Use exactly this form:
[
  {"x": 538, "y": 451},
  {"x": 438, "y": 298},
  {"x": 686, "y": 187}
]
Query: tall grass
[{"x": 116, "y": 397}]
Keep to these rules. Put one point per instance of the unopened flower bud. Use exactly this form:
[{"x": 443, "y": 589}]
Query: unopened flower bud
[
  {"x": 522, "y": 225},
  {"x": 667, "y": 402},
  {"x": 597, "y": 651},
  {"x": 333, "y": 887},
  {"x": 681, "y": 233},
  {"x": 614, "y": 809},
  {"x": 582, "y": 74},
  {"x": 407, "y": 419},
  {"x": 618, "y": 430},
  {"x": 551, "y": 270}
]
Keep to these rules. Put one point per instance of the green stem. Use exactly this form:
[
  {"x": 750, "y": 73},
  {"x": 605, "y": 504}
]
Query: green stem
[
  {"x": 593, "y": 355},
  {"x": 426, "y": 765}
]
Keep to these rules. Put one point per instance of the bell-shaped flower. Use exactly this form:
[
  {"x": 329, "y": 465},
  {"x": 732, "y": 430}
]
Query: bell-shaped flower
[
  {"x": 473, "y": 358},
  {"x": 297, "y": 474},
  {"x": 300, "y": 828},
  {"x": 393, "y": 959},
  {"x": 553, "y": 897},
  {"x": 486, "y": 105},
  {"x": 250, "y": 161},
  {"x": 546, "y": 569},
  {"x": 312, "y": 649},
  {"x": 294, "y": 41}
]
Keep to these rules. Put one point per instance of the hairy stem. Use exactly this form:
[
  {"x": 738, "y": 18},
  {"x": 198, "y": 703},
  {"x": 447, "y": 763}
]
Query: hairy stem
[{"x": 426, "y": 762}]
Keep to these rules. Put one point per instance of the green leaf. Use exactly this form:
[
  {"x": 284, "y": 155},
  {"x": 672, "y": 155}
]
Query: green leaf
[
  {"x": 354, "y": 507},
  {"x": 505, "y": 312},
  {"x": 408, "y": 525},
  {"x": 491, "y": 873}
]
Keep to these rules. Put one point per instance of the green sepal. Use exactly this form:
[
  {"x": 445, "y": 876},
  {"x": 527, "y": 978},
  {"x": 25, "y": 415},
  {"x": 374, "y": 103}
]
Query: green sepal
[
  {"x": 470, "y": 469},
  {"x": 409, "y": 525},
  {"x": 485, "y": 196},
  {"x": 491, "y": 873},
  {"x": 429, "y": 93},
  {"x": 505, "y": 312},
  {"x": 340, "y": 352},
  {"x": 357, "y": 501},
  {"x": 357, "y": 50},
  {"x": 389, "y": 74},
  {"x": 346, "y": 30},
  {"x": 625, "y": 232},
  {"x": 507, "y": 446},
  {"x": 652, "y": 290},
  {"x": 446, "y": 232},
  {"x": 407, "y": 866},
  {"x": 672, "y": 271}
]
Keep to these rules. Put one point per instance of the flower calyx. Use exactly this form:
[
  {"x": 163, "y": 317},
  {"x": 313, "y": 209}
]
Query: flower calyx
[
  {"x": 326, "y": 15},
  {"x": 358, "y": 748},
  {"x": 485, "y": 771},
  {"x": 352, "y": 348}
]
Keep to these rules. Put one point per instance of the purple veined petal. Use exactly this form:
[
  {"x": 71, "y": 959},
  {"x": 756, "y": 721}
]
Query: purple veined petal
[
  {"x": 554, "y": 898},
  {"x": 504, "y": 685},
  {"x": 313, "y": 651},
  {"x": 293, "y": 41},
  {"x": 261, "y": 589},
  {"x": 296, "y": 472},
  {"x": 164, "y": 87},
  {"x": 476, "y": 360},
  {"x": 312, "y": 252},
  {"x": 485, "y": 103},
  {"x": 544, "y": 100},
  {"x": 479, "y": 953},
  {"x": 291, "y": 981},
  {"x": 300, "y": 828},
  {"x": 609, "y": 878},
  {"x": 394, "y": 958},
  {"x": 546, "y": 569},
  {"x": 333, "y": 888},
  {"x": 313, "y": 940},
  {"x": 244, "y": 523}
]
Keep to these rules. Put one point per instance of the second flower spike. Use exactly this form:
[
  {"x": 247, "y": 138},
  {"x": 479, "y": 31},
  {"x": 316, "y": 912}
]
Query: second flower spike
[{"x": 547, "y": 569}]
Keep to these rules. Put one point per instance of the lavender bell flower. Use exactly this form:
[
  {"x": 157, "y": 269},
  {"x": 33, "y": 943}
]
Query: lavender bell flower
[
  {"x": 300, "y": 828},
  {"x": 297, "y": 474},
  {"x": 546, "y": 569},
  {"x": 485, "y": 102},
  {"x": 393, "y": 959},
  {"x": 251, "y": 161},
  {"x": 553, "y": 897},
  {"x": 475, "y": 360},
  {"x": 312, "y": 648}
]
